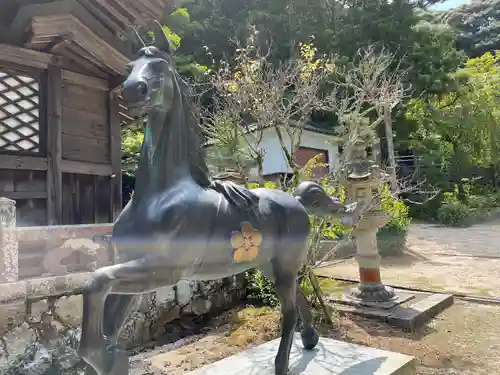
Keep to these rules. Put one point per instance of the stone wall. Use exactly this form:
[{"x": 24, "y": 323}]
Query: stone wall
[
  {"x": 40, "y": 265},
  {"x": 157, "y": 312},
  {"x": 162, "y": 316}
]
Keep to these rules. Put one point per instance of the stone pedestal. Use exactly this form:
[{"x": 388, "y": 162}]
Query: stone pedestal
[
  {"x": 9, "y": 266},
  {"x": 370, "y": 291},
  {"x": 330, "y": 357}
]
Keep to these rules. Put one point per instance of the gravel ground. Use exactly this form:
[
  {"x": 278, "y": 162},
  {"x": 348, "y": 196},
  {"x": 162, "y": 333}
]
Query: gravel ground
[
  {"x": 462, "y": 341},
  {"x": 434, "y": 252}
]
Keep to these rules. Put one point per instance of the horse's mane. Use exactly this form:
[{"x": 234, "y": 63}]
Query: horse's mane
[
  {"x": 182, "y": 125},
  {"x": 180, "y": 144}
]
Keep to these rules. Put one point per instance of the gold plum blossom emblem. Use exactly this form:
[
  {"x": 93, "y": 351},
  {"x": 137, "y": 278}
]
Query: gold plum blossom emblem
[{"x": 246, "y": 243}]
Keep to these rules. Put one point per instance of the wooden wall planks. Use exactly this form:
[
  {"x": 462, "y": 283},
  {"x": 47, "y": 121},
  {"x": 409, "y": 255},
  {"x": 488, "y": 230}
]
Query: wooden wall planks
[{"x": 85, "y": 132}]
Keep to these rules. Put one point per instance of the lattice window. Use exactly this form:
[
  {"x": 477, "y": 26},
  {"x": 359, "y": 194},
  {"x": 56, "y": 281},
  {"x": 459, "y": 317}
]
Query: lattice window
[{"x": 19, "y": 112}]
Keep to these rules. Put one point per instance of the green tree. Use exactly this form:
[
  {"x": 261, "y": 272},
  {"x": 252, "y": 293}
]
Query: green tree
[
  {"x": 423, "y": 48},
  {"x": 477, "y": 25},
  {"x": 335, "y": 27},
  {"x": 462, "y": 129}
]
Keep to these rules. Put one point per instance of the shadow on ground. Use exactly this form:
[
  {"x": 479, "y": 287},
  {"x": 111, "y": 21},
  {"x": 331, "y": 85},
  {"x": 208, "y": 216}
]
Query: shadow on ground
[{"x": 408, "y": 258}]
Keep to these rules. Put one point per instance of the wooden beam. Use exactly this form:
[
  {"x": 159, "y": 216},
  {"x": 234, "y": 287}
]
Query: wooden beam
[
  {"x": 54, "y": 131},
  {"x": 31, "y": 163},
  {"x": 78, "y": 65},
  {"x": 27, "y": 57},
  {"x": 84, "y": 80},
  {"x": 57, "y": 25},
  {"x": 116, "y": 156},
  {"x": 24, "y": 194},
  {"x": 28, "y": 11},
  {"x": 81, "y": 56},
  {"x": 97, "y": 12},
  {"x": 83, "y": 167},
  {"x": 60, "y": 44},
  {"x": 112, "y": 11}
]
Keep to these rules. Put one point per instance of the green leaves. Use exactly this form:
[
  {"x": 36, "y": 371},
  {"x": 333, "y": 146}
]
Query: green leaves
[
  {"x": 174, "y": 39},
  {"x": 476, "y": 25},
  {"x": 131, "y": 148},
  {"x": 462, "y": 129}
]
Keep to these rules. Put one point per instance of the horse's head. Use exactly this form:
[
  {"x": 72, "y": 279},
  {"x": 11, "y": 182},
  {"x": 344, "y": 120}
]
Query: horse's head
[{"x": 150, "y": 82}]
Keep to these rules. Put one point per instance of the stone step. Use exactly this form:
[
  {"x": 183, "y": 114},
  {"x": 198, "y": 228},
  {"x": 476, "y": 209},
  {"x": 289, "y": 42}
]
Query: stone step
[{"x": 330, "y": 357}]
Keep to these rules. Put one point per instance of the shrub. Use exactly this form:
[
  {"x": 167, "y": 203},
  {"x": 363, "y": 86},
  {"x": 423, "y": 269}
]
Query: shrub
[
  {"x": 455, "y": 214},
  {"x": 391, "y": 239},
  {"x": 427, "y": 210},
  {"x": 463, "y": 208},
  {"x": 260, "y": 290}
]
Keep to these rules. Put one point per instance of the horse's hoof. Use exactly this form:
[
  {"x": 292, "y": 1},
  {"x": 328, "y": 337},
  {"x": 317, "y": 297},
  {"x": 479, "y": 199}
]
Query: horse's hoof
[
  {"x": 280, "y": 368},
  {"x": 115, "y": 363},
  {"x": 89, "y": 370},
  {"x": 310, "y": 338},
  {"x": 120, "y": 364}
]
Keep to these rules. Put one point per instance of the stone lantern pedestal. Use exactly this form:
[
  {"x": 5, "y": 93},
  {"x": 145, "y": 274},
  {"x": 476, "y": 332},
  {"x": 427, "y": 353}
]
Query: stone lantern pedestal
[
  {"x": 363, "y": 180},
  {"x": 371, "y": 290}
]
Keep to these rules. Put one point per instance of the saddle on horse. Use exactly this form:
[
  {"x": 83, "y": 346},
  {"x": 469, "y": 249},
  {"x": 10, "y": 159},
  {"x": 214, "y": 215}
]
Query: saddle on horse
[{"x": 241, "y": 197}]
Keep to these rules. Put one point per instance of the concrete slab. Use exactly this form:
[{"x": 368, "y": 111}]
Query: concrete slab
[
  {"x": 330, "y": 357},
  {"x": 366, "y": 312},
  {"x": 419, "y": 313},
  {"x": 407, "y": 317}
]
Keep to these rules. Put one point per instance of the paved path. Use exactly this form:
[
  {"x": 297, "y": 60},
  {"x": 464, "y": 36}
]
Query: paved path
[
  {"x": 460, "y": 260},
  {"x": 481, "y": 239}
]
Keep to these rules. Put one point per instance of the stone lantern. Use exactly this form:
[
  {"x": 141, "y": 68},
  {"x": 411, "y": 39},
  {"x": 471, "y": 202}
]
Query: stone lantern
[{"x": 363, "y": 179}]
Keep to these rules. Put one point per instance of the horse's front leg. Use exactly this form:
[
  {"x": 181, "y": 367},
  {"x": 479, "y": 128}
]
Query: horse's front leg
[
  {"x": 134, "y": 277},
  {"x": 92, "y": 342}
]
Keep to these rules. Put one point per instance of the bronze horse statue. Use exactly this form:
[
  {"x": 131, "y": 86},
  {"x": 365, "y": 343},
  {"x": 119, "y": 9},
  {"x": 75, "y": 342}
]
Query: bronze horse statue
[{"x": 180, "y": 225}]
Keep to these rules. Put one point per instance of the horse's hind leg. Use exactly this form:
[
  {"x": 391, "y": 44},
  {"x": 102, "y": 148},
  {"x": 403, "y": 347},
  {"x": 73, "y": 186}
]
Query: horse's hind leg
[
  {"x": 309, "y": 334},
  {"x": 285, "y": 280}
]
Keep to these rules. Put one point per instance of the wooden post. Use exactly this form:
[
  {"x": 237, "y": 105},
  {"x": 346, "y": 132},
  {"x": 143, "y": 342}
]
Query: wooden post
[
  {"x": 390, "y": 148},
  {"x": 9, "y": 256},
  {"x": 54, "y": 130},
  {"x": 116, "y": 156}
]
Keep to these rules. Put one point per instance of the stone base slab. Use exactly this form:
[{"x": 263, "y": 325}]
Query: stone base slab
[
  {"x": 400, "y": 297},
  {"x": 416, "y": 314},
  {"x": 330, "y": 357},
  {"x": 408, "y": 317}
]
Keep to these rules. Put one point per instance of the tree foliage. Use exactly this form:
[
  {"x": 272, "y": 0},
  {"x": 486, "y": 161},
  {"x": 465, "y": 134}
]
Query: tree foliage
[
  {"x": 447, "y": 113},
  {"x": 462, "y": 128},
  {"x": 335, "y": 27},
  {"x": 252, "y": 95},
  {"x": 477, "y": 25}
]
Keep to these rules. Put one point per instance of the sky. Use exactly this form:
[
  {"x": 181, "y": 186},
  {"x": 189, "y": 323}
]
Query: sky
[{"x": 450, "y": 4}]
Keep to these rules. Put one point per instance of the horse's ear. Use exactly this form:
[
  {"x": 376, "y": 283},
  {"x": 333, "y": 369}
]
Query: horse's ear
[
  {"x": 161, "y": 40},
  {"x": 136, "y": 40}
]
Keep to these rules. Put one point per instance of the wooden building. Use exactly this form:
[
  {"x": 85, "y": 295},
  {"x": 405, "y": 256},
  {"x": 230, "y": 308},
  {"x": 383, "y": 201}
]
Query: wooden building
[{"x": 60, "y": 62}]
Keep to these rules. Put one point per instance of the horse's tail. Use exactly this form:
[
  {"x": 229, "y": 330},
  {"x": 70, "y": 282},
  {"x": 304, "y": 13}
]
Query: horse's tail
[{"x": 317, "y": 202}]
